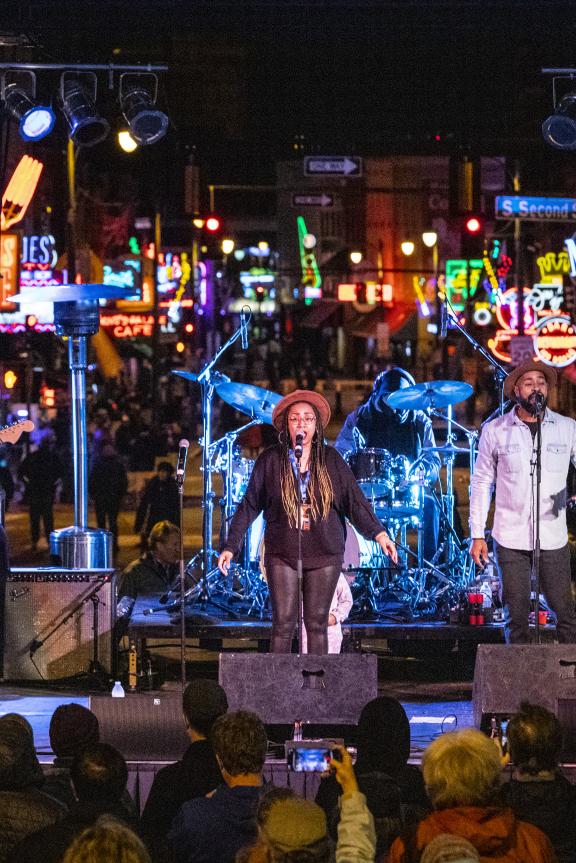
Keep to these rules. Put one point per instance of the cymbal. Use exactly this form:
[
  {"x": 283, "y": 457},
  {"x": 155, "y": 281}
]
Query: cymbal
[
  {"x": 432, "y": 394},
  {"x": 447, "y": 449},
  {"x": 73, "y": 293},
  {"x": 257, "y": 402}
]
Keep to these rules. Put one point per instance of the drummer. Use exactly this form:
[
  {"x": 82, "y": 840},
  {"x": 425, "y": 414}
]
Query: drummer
[
  {"x": 330, "y": 494},
  {"x": 376, "y": 425}
]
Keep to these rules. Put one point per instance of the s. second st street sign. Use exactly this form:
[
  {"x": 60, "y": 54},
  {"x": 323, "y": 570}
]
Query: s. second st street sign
[
  {"x": 535, "y": 208},
  {"x": 304, "y": 199},
  {"x": 335, "y": 166}
]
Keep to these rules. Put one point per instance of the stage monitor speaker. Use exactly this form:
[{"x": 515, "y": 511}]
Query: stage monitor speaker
[
  {"x": 143, "y": 727},
  {"x": 286, "y": 688},
  {"x": 507, "y": 674},
  {"x": 48, "y": 622}
]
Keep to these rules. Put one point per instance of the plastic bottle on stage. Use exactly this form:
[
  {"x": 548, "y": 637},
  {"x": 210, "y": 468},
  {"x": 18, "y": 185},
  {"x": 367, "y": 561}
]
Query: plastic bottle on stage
[{"x": 118, "y": 690}]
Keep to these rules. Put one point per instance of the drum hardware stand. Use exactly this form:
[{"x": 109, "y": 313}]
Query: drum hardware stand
[{"x": 208, "y": 378}]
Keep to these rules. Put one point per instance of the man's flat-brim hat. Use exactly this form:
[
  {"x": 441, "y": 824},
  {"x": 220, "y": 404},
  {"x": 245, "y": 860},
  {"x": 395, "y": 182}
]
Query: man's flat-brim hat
[
  {"x": 308, "y": 396},
  {"x": 523, "y": 369}
]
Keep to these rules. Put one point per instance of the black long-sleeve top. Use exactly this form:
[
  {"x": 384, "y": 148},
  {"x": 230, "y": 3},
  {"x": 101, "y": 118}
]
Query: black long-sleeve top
[{"x": 323, "y": 544}]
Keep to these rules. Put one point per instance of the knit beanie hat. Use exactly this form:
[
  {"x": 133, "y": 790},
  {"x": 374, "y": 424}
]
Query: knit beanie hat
[
  {"x": 447, "y": 848},
  {"x": 72, "y": 728},
  {"x": 294, "y": 824}
]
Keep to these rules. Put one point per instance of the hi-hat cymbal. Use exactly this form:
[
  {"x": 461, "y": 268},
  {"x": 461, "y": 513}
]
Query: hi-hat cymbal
[
  {"x": 257, "y": 402},
  {"x": 72, "y": 293},
  {"x": 432, "y": 394},
  {"x": 447, "y": 449}
]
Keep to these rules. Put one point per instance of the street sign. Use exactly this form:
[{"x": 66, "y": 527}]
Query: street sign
[
  {"x": 322, "y": 200},
  {"x": 336, "y": 166},
  {"x": 535, "y": 209}
]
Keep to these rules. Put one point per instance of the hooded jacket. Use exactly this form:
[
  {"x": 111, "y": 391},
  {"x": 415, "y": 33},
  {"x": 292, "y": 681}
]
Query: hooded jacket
[
  {"x": 496, "y": 833},
  {"x": 24, "y": 808}
]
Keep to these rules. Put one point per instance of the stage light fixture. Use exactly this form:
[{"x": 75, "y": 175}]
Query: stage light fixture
[
  {"x": 559, "y": 129},
  {"x": 137, "y": 100},
  {"x": 35, "y": 121},
  {"x": 78, "y": 95}
]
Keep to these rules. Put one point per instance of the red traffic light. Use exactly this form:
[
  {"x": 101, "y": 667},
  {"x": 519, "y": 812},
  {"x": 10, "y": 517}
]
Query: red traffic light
[
  {"x": 473, "y": 225},
  {"x": 213, "y": 224}
]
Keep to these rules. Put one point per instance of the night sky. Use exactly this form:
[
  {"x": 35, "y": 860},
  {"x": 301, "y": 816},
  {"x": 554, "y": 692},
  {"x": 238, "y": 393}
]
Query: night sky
[{"x": 370, "y": 77}]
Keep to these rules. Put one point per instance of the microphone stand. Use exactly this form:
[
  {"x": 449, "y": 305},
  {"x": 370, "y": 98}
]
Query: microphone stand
[
  {"x": 500, "y": 372},
  {"x": 535, "y": 574},
  {"x": 299, "y": 574},
  {"x": 182, "y": 584}
]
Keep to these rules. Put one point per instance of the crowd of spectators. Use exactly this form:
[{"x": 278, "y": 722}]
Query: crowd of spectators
[{"x": 214, "y": 805}]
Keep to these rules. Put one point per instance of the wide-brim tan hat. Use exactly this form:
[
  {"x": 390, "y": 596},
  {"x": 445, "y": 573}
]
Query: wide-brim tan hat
[
  {"x": 523, "y": 369},
  {"x": 308, "y": 396}
]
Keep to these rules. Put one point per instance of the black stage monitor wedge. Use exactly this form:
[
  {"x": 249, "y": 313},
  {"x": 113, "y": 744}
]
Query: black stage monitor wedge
[
  {"x": 143, "y": 727},
  {"x": 505, "y": 675},
  {"x": 286, "y": 688}
]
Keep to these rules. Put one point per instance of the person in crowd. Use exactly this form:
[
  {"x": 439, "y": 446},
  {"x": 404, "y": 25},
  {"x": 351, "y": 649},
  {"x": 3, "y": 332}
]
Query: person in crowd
[
  {"x": 506, "y": 456},
  {"x": 328, "y": 493},
  {"x": 24, "y": 807},
  {"x": 197, "y": 773},
  {"x": 107, "y": 841},
  {"x": 73, "y": 728},
  {"x": 157, "y": 570},
  {"x": 6, "y": 481},
  {"x": 160, "y": 502},
  {"x": 537, "y": 791},
  {"x": 376, "y": 425},
  {"x": 40, "y": 472},
  {"x": 394, "y": 790},
  {"x": 107, "y": 484},
  {"x": 447, "y": 848},
  {"x": 99, "y": 776},
  {"x": 215, "y": 828},
  {"x": 462, "y": 776},
  {"x": 339, "y": 610}
]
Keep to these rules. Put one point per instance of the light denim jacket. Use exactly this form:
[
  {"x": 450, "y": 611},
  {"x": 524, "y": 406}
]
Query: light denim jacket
[{"x": 505, "y": 454}]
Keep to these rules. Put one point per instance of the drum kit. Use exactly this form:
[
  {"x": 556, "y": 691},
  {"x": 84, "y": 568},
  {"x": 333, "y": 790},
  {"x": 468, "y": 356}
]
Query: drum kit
[{"x": 395, "y": 487}]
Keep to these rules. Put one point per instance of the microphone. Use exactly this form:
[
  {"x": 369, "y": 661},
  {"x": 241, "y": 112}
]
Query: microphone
[
  {"x": 443, "y": 320},
  {"x": 298, "y": 445},
  {"x": 182, "y": 456},
  {"x": 539, "y": 400},
  {"x": 244, "y": 330}
]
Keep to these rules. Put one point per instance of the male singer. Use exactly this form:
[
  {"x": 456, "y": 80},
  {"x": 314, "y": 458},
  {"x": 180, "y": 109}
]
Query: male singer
[{"x": 507, "y": 460}]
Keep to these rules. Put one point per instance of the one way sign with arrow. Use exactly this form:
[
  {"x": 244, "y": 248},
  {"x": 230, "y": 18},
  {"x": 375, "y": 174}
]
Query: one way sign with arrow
[{"x": 341, "y": 166}]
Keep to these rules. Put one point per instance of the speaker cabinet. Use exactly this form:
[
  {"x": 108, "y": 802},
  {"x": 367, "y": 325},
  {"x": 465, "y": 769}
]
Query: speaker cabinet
[
  {"x": 507, "y": 674},
  {"x": 286, "y": 688},
  {"x": 49, "y": 617},
  {"x": 143, "y": 727}
]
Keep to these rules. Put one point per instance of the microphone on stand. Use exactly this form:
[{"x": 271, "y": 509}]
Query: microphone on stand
[
  {"x": 298, "y": 446},
  {"x": 539, "y": 402},
  {"x": 182, "y": 456},
  {"x": 244, "y": 330},
  {"x": 443, "y": 320}
]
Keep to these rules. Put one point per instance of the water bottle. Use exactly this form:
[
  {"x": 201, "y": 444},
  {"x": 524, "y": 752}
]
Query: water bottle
[{"x": 118, "y": 690}]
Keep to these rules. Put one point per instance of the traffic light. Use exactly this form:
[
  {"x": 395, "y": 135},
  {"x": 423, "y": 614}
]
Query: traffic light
[
  {"x": 472, "y": 236},
  {"x": 210, "y": 235}
]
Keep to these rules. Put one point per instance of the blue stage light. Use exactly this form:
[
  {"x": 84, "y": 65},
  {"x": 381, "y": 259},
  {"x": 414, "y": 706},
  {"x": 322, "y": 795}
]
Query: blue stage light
[{"x": 35, "y": 121}]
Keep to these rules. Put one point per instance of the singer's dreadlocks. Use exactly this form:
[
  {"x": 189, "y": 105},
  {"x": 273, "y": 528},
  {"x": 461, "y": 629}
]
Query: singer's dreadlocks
[{"x": 320, "y": 492}]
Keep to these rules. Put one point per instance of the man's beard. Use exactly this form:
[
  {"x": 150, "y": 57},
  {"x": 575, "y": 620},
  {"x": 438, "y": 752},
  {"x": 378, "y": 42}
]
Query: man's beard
[{"x": 530, "y": 404}]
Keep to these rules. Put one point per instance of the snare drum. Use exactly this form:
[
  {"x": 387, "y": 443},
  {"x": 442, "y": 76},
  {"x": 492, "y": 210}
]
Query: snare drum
[{"x": 372, "y": 468}]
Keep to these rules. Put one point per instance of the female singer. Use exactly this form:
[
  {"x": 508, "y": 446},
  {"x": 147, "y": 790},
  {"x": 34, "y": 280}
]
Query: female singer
[{"x": 329, "y": 495}]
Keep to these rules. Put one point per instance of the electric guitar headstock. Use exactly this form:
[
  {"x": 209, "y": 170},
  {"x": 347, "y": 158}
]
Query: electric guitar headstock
[{"x": 11, "y": 433}]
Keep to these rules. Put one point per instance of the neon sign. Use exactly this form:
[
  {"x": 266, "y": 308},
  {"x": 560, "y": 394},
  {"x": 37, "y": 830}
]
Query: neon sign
[
  {"x": 555, "y": 341},
  {"x": 462, "y": 281},
  {"x": 311, "y": 278},
  {"x": 127, "y": 326},
  {"x": 8, "y": 269}
]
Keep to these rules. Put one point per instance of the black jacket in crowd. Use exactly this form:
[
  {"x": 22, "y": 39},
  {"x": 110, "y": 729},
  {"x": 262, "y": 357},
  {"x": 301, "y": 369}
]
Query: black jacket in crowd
[
  {"x": 160, "y": 502},
  {"x": 551, "y": 806}
]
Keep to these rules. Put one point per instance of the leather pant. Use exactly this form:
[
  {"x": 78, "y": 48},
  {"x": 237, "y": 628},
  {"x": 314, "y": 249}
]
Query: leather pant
[{"x": 318, "y": 586}]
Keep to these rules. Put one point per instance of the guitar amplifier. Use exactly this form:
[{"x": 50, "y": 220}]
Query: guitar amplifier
[{"x": 50, "y": 618}]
